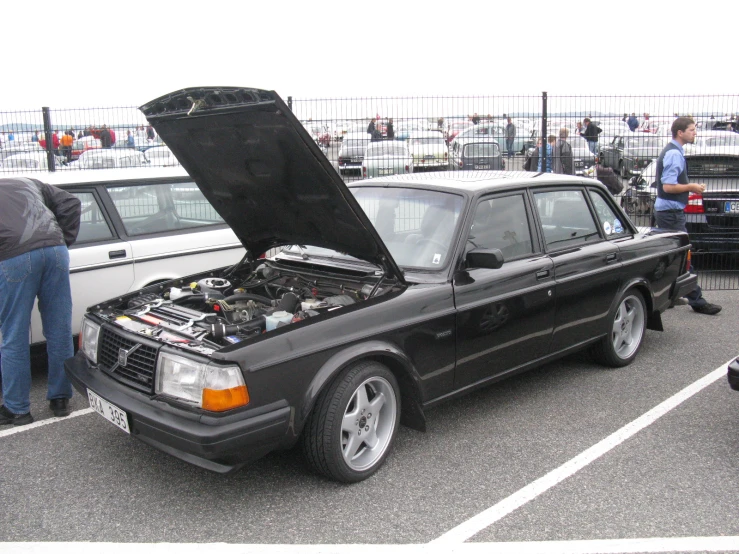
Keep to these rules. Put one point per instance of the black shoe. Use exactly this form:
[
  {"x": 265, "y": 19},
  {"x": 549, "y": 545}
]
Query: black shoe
[
  {"x": 60, "y": 407},
  {"x": 9, "y": 418},
  {"x": 708, "y": 309}
]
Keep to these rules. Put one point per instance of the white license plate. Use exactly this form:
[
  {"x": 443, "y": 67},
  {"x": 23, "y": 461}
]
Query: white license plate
[
  {"x": 731, "y": 207},
  {"x": 482, "y": 166},
  {"x": 386, "y": 171},
  {"x": 109, "y": 411}
]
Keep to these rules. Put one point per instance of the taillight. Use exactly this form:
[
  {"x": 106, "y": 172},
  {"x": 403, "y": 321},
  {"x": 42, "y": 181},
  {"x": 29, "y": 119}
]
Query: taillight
[
  {"x": 687, "y": 261},
  {"x": 364, "y": 171},
  {"x": 446, "y": 155},
  {"x": 461, "y": 164},
  {"x": 695, "y": 204},
  {"x": 341, "y": 160},
  {"x": 407, "y": 169}
]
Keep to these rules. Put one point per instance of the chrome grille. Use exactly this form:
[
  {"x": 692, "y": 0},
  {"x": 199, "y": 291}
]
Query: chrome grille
[{"x": 140, "y": 363}]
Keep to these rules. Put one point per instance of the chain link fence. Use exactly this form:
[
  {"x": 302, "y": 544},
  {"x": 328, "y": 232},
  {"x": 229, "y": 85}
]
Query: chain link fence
[{"x": 438, "y": 133}]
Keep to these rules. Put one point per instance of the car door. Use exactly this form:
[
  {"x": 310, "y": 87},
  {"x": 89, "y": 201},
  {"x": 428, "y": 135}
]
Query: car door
[
  {"x": 504, "y": 316},
  {"x": 101, "y": 263},
  {"x": 583, "y": 262}
]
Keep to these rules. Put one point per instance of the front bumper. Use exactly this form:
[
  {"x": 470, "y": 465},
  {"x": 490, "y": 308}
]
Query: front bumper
[
  {"x": 217, "y": 443},
  {"x": 733, "y": 374}
]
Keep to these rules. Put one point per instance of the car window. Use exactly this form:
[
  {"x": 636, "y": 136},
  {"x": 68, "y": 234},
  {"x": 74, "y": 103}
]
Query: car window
[
  {"x": 502, "y": 223},
  {"x": 609, "y": 220},
  {"x": 478, "y": 150},
  {"x": 162, "y": 207},
  {"x": 386, "y": 149},
  {"x": 93, "y": 226},
  {"x": 566, "y": 219}
]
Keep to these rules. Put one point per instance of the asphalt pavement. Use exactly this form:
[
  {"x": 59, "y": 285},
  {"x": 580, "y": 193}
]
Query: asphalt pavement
[{"x": 82, "y": 479}]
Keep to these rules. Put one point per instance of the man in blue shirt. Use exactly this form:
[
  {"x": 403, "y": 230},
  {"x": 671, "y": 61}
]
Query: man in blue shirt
[{"x": 673, "y": 190}]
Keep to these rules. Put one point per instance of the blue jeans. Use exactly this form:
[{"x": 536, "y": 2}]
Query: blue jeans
[
  {"x": 42, "y": 273},
  {"x": 593, "y": 146},
  {"x": 509, "y": 147},
  {"x": 672, "y": 220}
]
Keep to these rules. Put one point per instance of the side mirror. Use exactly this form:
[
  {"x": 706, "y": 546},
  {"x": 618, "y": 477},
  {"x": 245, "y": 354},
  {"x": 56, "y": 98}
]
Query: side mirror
[{"x": 485, "y": 258}]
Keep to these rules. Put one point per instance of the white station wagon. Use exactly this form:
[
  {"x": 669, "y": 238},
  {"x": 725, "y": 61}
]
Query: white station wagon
[{"x": 138, "y": 228}]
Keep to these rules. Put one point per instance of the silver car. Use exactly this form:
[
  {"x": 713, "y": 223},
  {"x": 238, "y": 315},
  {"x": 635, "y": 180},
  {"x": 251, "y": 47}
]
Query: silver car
[{"x": 386, "y": 157}]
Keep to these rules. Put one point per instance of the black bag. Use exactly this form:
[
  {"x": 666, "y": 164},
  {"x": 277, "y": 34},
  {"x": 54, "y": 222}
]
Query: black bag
[{"x": 610, "y": 180}]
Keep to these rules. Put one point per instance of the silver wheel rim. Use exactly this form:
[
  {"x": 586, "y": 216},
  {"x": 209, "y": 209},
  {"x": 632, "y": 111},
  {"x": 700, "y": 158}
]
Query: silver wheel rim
[
  {"x": 368, "y": 424},
  {"x": 628, "y": 327}
]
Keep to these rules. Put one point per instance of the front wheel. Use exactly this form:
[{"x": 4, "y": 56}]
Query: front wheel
[
  {"x": 628, "y": 323},
  {"x": 353, "y": 424}
]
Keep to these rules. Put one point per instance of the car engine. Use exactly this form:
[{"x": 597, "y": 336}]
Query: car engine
[{"x": 219, "y": 310}]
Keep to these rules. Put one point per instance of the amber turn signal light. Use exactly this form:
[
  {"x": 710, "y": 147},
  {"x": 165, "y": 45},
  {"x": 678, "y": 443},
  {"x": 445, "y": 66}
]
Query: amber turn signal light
[{"x": 225, "y": 399}]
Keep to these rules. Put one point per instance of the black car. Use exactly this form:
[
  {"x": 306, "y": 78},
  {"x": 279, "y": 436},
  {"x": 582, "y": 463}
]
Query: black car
[
  {"x": 476, "y": 154},
  {"x": 629, "y": 155},
  {"x": 395, "y": 295}
]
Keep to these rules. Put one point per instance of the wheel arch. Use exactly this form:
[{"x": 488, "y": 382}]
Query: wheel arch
[
  {"x": 411, "y": 412},
  {"x": 654, "y": 319}
]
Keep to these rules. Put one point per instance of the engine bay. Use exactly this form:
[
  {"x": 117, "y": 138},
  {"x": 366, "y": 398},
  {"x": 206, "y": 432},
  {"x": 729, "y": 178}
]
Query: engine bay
[{"x": 210, "y": 311}]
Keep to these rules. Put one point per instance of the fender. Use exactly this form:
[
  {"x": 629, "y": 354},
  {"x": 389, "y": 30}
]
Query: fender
[
  {"x": 411, "y": 411},
  {"x": 654, "y": 318}
]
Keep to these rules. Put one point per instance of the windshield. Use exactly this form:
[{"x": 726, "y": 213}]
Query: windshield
[
  {"x": 385, "y": 150},
  {"x": 481, "y": 150},
  {"x": 428, "y": 140},
  {"x": 417, "y": 226},
  {"x": 730, "y": 140}
]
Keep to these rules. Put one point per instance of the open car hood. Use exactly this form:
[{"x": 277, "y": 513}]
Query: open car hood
[{"x": 263, "y": 173}]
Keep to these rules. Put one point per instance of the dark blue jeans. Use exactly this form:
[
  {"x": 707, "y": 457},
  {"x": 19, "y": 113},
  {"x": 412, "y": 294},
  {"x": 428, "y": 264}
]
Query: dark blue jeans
[
  {"x": 42, "y": 273},
  {"x": 509, "y": 146},
  {"x": 674, "y": 220}
]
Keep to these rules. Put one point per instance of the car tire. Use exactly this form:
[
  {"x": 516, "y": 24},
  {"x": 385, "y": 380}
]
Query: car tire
[
  {"x": 625, "y": 337},
  {"x": 351, "y": 429}
]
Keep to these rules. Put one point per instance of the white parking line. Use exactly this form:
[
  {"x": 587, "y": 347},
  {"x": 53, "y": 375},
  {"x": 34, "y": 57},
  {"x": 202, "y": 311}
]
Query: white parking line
[
  {"x": 36, "y": 424},
  {"x": 617, "y": 546},
  {"x": 484, "y": 519}
]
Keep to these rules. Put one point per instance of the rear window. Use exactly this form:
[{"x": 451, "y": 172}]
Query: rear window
[
  {"x": 713, "y": 166},
  {"x": 162, "y": 207},
  {"x": 479, "y": 150},
  {"x": 385, "y": 150},
  {"x": 427, "y": 140}
]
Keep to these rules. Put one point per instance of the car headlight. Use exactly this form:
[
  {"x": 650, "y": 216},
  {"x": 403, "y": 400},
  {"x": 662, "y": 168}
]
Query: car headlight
[
  {"x": 88, "y": 340},
  {"x": 210, "y": 387}
]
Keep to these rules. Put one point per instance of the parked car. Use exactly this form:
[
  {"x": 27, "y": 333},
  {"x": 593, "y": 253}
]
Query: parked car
[
  {"x": 403, "y": 128},
  {"x": 136, "y": 231},
  {"x": 386, "y": 157},
  {"x": 35, "y": 161},
  {"x": 351, "y": 152},
  {"x": 582, "y": 158},
  {"x": 455, "y": 128},
  {"x": 110, "y": 158},
  {"x": 725, "y": 140},
  {"x": 712, "y": 218},
  {"x": 319, "y": 132},
  {"x": 15, "y": 147},
  {"x": 83, "y": 144},
  {"x": 476, "y": 154},
  {"x": 629, "y": 155},
  {"x": 496, "y": 131},
  {"x": 429, "y": 150},
  {"x": 160, "y": 156},
  {"x": 398, "y": 293}
]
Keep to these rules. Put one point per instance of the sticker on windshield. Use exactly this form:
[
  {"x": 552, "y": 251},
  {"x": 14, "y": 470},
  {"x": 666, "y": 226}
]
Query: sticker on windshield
[
  {"x": 437, "y": 259},
  {"x": 607, "y": 227},
  {"x": 617, "y": 227}
]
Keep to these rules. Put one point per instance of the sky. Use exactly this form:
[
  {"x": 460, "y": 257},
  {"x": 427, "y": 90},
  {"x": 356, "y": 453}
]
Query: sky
[{"x": 84, "y": 54}]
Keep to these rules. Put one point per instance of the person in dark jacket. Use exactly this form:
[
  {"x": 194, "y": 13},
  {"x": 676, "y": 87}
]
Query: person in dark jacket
[
  {"x": 390, "y": 131},
  {"x": 563, "y": 162},
  {"x": 591, "y": 135},
  {"x": 673, "y": 189},
  {"x": 38, "y": 222},
  {"x": 105, "y": 138},
  {"x": 633, "y": 122},
  {"x": 371, "y": 127}
]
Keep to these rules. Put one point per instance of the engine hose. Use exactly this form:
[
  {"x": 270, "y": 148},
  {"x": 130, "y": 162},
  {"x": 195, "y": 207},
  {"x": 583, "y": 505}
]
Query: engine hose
[
  {"x": 249, "y": 296},
  {"x": 220, "y": 330}
]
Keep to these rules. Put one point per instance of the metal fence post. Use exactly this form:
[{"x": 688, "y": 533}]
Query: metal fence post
[
  {"x": 543, "y": 156},
  {"x": 290, "y": 102},
  {"x": 51, "y": 159}
]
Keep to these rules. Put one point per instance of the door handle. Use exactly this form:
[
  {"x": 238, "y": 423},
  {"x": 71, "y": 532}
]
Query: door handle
[
  {"x": 611, "y": 257},
  {"x": 543, "y": 274},
  {"x": 113, "y": 254}
]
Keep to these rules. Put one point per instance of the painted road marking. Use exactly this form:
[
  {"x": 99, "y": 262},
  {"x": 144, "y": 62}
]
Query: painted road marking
[
  {"x": 37, "y": 424},
  {"x": 485, "y": 519}
]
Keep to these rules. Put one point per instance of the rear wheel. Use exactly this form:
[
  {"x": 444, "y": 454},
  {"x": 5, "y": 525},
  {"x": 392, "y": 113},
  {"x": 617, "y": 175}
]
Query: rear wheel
[
  {"x": 353, "y": 424},
  {"x": 628, "y": 323}
]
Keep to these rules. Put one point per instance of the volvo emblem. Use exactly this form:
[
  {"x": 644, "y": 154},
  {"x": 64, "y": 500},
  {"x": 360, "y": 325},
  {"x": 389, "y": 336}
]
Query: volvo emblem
[{"x": 123, "y": 355}]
